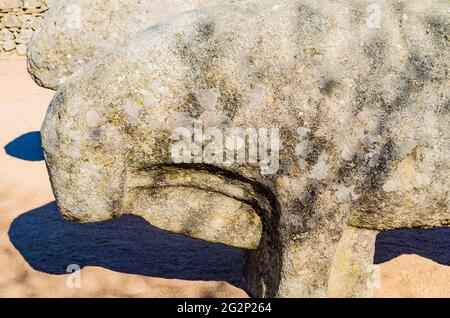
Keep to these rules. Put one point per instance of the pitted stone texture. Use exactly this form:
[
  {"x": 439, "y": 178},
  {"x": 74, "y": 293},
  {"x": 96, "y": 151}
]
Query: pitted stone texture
[
  {"x": 12, "y": 21},
  {"x": 10, "y": 4},
  {"x": 362, "y": 112},
  {"x": 9, "y": 45},
  {"x": 75, "y": 31},
  {"x": 352, "y": 270}
]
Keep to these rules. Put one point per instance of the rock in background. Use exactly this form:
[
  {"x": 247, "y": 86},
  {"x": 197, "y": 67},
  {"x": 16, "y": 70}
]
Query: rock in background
[{"x": 19, "y": 19}]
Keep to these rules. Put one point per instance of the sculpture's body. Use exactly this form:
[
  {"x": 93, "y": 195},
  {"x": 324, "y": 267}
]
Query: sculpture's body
[{"x": 363, "y": 115}]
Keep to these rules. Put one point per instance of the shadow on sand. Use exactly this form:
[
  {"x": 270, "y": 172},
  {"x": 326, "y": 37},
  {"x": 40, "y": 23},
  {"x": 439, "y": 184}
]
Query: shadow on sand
[
  {"x": 125, "y": 244},
  {"x": 130, "y": 245},
  {"x": 433, "y": 244},
  {"x": 26, "y": 147}
]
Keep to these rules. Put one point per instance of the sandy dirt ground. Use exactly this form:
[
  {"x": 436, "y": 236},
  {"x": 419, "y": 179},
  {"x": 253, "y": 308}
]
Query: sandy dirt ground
[{"x": 34, "y": 240}]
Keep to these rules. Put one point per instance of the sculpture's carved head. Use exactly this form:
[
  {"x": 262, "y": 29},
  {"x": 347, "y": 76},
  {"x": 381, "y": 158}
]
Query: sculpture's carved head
[{"x": 334, "y": 113}]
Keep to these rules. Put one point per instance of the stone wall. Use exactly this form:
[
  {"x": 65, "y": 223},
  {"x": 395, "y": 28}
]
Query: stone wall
[{"x": 19, "y": 19}]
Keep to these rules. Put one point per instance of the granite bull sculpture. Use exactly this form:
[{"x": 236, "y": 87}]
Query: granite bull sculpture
[{"x": 360, "y": 110}]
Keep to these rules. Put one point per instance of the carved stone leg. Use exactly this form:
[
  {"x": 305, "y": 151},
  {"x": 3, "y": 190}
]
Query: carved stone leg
[
  {"x": 294, "y": 260},
  {"x": 351, "y": 273}
]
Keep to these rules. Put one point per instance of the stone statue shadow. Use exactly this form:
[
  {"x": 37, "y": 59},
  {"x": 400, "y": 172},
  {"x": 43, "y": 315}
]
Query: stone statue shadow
[
  {"x": 130, "y": 245},
  {"x": 125, "y": 244},
  {"x": 433, "y": 244},
  {"x": 26, "y": 147}
]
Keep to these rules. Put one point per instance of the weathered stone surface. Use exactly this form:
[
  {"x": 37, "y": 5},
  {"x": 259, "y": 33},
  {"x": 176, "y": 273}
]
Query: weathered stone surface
[
  {"x": 24, "y": 36},
  {"x": 352, "y": 269},
  {"x": 11, "y": 21},
  {"x": 18, "y": 20},
  {"x": 75, "y": 31},
  {"x": 21, "y": 49},
  {"x": 10, "y": 4},
  {"x": 6, "y": 35},
  {"x": 31, "y": 4},
  {"x": 362, "y": 110},
  {"x": 31, "y": 22},
  {"x": 9, "y": 45}
]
